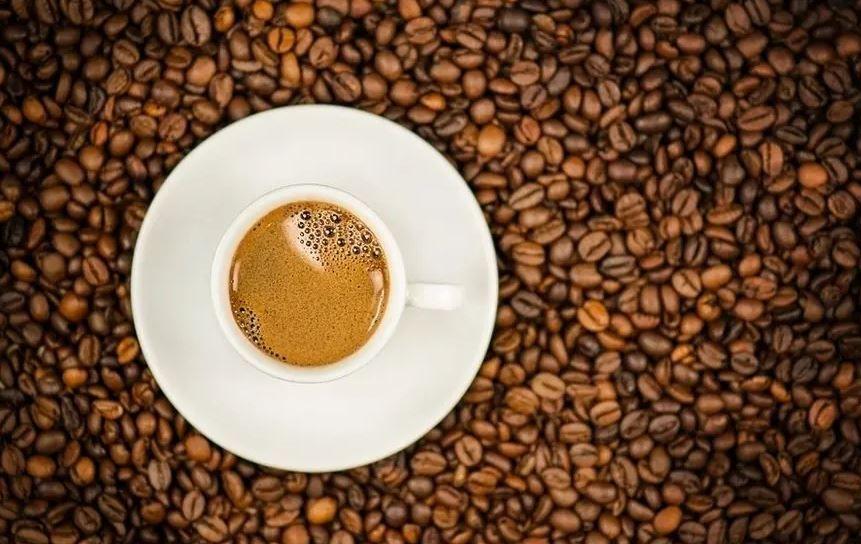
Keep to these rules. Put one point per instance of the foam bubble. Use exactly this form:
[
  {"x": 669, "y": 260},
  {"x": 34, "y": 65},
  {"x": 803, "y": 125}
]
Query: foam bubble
[{"x": 315, "y": 223}]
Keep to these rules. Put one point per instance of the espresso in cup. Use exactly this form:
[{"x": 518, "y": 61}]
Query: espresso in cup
[{"x": 308, "y": 283}]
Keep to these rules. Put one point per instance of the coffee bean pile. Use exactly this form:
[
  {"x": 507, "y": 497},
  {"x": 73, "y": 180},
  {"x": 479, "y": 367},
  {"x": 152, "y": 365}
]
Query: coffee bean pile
[{"x": 673, "y": 189}]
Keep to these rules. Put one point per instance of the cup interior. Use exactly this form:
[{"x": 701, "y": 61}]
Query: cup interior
[{"x": 223, "y": 258}]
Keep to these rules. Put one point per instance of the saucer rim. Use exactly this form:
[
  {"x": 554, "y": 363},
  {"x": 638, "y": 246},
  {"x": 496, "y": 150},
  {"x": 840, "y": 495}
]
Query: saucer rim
[{"x": 172, "y": 394}]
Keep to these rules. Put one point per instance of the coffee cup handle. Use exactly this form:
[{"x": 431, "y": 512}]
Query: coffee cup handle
[{"x": 434, "y": 296}]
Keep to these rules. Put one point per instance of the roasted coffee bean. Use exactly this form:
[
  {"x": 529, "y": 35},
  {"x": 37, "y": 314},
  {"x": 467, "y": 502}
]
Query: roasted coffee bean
[
  {"x": 211, "y": 529},
  {"x": 594, "y": 246},
  {"x": 757, "y": 118},
  {"x": 593, "y": 316}
]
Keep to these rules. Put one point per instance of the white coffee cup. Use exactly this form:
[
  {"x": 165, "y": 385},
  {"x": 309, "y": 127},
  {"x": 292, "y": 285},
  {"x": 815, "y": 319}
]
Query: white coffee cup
[{"x": 430, "y": 296}]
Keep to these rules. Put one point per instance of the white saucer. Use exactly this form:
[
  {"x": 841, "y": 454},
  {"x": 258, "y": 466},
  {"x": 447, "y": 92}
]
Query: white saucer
[{"x": 418, "y": 376}]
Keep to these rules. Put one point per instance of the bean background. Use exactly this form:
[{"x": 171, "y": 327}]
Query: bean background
[{"x": 673, "y": 190}]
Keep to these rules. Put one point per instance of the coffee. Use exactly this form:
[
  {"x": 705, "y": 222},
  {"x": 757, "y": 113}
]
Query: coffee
[
  {"x": 635, "y": 124},
  {"x": 308, "y": 283}
]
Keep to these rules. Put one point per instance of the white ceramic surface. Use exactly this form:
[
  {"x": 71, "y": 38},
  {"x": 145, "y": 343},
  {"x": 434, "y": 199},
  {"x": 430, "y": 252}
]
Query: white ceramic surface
[
  {"x": 415, "y": 379},
  {"x": 435, "y": 296}
]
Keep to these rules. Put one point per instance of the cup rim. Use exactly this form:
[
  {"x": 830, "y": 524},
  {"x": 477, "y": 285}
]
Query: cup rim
[{"x": 220, "y": 271}]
